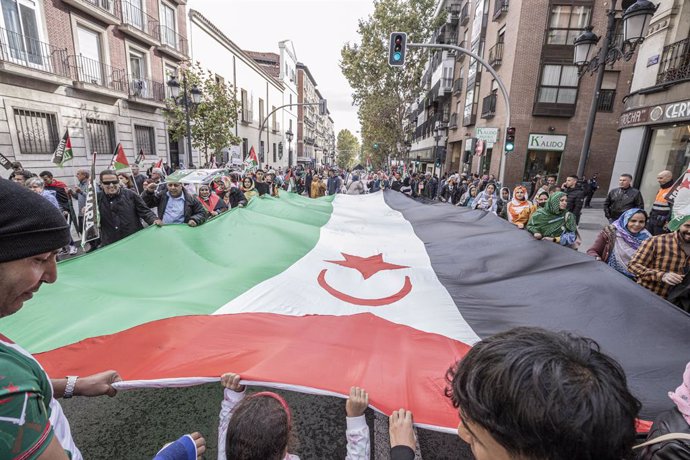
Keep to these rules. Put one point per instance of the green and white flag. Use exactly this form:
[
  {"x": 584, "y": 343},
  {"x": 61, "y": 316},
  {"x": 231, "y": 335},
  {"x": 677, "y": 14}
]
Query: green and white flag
[{"x": 63, "y": 153}]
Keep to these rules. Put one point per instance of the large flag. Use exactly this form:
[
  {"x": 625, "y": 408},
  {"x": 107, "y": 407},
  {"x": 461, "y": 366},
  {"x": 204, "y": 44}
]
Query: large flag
[
  {"x": 119, "y": 163},
  {"x": 63, "y": 153},
  {"x": 339, "y": 299},
  {"x": 252, "y": 161}
]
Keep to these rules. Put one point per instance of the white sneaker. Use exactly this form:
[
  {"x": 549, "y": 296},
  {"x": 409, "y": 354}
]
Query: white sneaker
[{"x": 73, "y": 250}]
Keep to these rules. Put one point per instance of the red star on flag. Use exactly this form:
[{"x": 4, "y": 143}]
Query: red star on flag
[
  {"x": 367, "y": 266},
  {"x": 685, "y": 183}
]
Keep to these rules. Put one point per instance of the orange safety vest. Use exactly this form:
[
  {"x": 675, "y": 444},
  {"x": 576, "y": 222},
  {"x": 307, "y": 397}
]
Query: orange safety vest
[{"x": 660, "y": 202}]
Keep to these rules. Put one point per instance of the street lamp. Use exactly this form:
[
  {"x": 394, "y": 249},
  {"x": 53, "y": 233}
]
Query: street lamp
[
  {"x": 289, "y": 135},
  {"x": 636, "y": 21},
  {"x": 195, "y": 94}
]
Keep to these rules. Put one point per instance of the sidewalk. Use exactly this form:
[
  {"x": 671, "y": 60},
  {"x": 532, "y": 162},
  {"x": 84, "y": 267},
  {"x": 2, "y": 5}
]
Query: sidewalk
[{"x": 592, "y": 221}]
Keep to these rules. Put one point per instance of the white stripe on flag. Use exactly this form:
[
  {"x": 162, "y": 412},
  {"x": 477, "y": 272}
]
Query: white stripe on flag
[{"x": 362, "y": 226}]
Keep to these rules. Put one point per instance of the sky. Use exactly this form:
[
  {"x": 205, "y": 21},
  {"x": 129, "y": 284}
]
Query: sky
[{"x": 318, "y": 29}]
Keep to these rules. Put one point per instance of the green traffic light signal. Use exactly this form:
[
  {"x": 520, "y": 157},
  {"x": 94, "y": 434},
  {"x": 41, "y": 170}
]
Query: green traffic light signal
[
  {"x": 376, "y": 146},
  {"x": 510, "y": 147}
]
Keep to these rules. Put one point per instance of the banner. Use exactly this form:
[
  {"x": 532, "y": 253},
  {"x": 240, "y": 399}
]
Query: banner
[
  {"x": 5, "y": 162},
  {"x": 63, "y": 153},
  {"x": 92, "y": 218}
]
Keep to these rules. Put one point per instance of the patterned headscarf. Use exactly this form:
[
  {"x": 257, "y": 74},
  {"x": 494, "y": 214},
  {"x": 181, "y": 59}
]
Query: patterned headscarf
[
  {"x": 551, "y": 220},
  {"x": 515, "y": 206},
  {"x": 682, "y": 395},
  {"x": 633, "y": 239}
]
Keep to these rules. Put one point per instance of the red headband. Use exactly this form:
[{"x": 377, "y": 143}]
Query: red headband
[{"x": 278, "y": 398}]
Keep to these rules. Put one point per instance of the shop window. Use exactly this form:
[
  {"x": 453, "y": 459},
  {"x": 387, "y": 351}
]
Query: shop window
[
  {"x": 669, "y": 149},
  {"x": 543, "y": 163},
  {"x": 566, "y": 23}
]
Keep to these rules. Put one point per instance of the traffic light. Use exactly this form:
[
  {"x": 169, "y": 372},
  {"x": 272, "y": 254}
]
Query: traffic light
[
  {"x": 376, "y": 145},
  {"x": 323, "y": 110},
  {"x": 510, "y": 139},
  {"x": 396, "y": 52}
]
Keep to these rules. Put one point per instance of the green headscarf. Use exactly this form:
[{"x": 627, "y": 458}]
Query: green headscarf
[{"x": 551, "y": 221}]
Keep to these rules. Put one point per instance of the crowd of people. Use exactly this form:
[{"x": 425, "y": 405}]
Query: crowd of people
[{"x": 495, "y": 387}]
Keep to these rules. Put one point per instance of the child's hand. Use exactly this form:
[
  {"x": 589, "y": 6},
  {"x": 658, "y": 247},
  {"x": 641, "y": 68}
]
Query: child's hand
[
  {"x": 400, "y": 429},
  {"x": 232, "y": 382},
  {"x": 357, "y": 403}
]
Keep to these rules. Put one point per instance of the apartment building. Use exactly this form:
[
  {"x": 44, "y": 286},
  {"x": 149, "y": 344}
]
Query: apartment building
[
  {"x": 94, "y": 67},
  {"x": 655, "y": 126},
  {"x": 306, "y": 116},
  {"x": 530, "y": 47},
  {"x": 258, "y": 87}
]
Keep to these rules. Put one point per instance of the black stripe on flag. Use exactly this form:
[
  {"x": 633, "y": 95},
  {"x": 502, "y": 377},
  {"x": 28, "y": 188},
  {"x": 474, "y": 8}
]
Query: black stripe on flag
[{"x": 500, "y": 277}]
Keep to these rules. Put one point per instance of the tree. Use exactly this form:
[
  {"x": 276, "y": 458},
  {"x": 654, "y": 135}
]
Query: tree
[
  {"x": 348, "y": 148},
  {"x": 212, "y": 119},
  {"x": 384, "y": 93}
]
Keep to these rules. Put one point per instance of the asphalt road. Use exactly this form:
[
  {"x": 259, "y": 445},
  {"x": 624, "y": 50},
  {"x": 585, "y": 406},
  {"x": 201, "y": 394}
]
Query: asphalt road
[{"x": 135, "y": 424}]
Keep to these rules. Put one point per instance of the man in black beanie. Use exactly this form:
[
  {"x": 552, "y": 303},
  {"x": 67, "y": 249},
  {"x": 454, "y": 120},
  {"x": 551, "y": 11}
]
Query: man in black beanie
[{"x": 32, "y": 232}]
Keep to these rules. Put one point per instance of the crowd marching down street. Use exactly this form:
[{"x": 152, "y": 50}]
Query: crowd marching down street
[{"x": 43, "y": 218}]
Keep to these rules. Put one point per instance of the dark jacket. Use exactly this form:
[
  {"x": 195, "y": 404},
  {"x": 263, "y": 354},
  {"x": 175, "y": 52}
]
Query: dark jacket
[
  {"x": 396, "y": 185},
  {"x": 620, "y": 200},
  {"x": 671, "y": 421},
  {"x": 603, "y": 244},
  {"x": 263, "y": 188},
  {"x": 121, "y": 215},
  {"x": 333, "y": 185},
  {"x": 193, "y": 209},
  {"x": 576, "y": 196},
  {"x": 451, "y": 196},
  {"x": 236, "y": 197}
]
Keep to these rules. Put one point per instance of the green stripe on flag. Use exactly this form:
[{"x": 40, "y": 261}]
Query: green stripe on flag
[{"x": 171, "y": 271}]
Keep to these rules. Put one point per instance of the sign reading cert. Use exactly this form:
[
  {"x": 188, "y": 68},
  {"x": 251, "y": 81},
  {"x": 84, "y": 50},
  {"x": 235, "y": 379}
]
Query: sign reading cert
[{"x": 553, "y": 143}]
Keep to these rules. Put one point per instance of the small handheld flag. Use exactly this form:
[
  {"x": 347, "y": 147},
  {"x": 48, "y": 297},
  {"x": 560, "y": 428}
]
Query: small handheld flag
[
  {"x": 119, "y": 162},
  {"x": 140, "y": 157},
  {"x": 252, "y": 161},
  {"x": 63, "y": 153}
]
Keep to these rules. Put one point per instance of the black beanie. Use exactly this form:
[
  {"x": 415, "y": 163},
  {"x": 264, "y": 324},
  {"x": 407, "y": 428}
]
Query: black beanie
[{"x": 29, "y": 224}]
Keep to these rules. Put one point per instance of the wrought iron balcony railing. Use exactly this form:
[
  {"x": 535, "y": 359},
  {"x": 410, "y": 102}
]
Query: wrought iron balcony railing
[
  {"x": 607, "y": 99},
  {"x": 134, "y": 16},
  {"x": 173, "y": 40},
  {"x": 457, "y": 85},
  {"x": 489, "y": 106},
  {"x": 500, "y": 7},
  {"x": 496, "y": 55},
  {"x": 142, "y": 88},
  {"x": 96, "y": 73},
  {"x": 28, "y": 52},
  {"x": 465, "y": 13},
  {"x": 675, "y": 62}
]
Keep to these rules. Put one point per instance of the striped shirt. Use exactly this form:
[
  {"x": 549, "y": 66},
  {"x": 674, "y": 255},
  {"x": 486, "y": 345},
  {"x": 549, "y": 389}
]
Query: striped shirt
[{"x": 658, "y": 255}]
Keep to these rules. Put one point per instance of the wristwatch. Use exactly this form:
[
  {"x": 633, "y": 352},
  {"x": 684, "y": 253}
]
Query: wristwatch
[{"x": 69, "y": 388}]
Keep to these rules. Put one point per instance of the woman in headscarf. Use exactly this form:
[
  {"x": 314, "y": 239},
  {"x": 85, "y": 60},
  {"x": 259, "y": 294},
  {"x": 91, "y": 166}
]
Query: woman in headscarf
[
  {"x": 617, "y": 243},
  {"x": 541, "y": 199},
  {"x": 518, "y": 204},
  {"x": 487, "y": 199},
  {"x": 211, "y": 202},
  {"x": 468, "y": 198},
  {"x": 553, "y": 222},
  {"x": 503, "y": 200},
  {"x": 248, "y": 188}
]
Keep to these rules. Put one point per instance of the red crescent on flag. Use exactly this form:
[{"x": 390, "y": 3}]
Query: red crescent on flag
[{"x": 407, "y": 287}]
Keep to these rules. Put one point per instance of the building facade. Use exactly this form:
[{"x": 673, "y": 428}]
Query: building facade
[
  {"x": 306, "y": 116},
  {"x": 530, "y": 47},
  {"x": 95, "y": 68},
  {"x": 655, "y": 126}
]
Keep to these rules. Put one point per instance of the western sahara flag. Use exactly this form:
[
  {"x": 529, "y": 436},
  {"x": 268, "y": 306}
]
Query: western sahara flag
[
  {"x": 252, "y": 161},
  {"x": 328, "y": 297},
  {"x": 63, "y": 152}
]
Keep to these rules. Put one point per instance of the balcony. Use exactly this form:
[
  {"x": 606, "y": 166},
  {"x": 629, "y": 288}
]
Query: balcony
[
  {"x": 22, "y": 55},
  {"x": 471, "y": 118},
  {"x": 454, "y": 10},
  {"x": 138, "y": 24},
  {"x": 461, "y": 56},
  {"x": 465, "y": 14},
  {"x": 607, "y": 100},
  {"x": 105, "y": 10},
  {"x": 309, "y": 140},
  {"x": 457, "y": 85},
  {"x": 96, "y": 77},
  {"x": 500, "y": 7},
  {"x": 489, "y": 106},
  {"x": 446, "y": 85},
  {"x": 496, "y": 55},
  {"x": 453, "y": 123},
  {"x": 147, "y": 92},
  {"x": 675, "y": 62},
  {"x": 173, "y": 43}
]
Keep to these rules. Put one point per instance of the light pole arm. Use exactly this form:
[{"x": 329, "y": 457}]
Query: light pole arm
[
  {"x": 491, "y": 70},
  {"x": 265, "y": 120}
]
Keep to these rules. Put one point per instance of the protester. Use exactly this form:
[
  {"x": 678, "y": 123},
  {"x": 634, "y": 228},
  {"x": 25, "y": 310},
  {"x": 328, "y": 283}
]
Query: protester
[
  {"x": 672, "y": 422},
  {"x": 541, "y": 200},
  {"x": 334, "y": 183},
  {"x": 514, "y": 208},
  {"x": 553, "y": 222},
  {"x": 138, "y": 178},
  {"x": 16, "y": 167},
  {"x": 486, "y": 200},
  {"x": 622, "y": 198},
  {"x": 529, "y": 393},
  {"x": 318, "y": 188},
  {"x": 593, "y": 186},
  {"x": 176, "y": 205},
  {"x": 126, "y": 181},
  {"x": 233, "y": 196},
  {"x": 248, "y": 188},
  {"x": 469, "y": 197},
  {"x": 356, "y": 187},
  {"x": 450, "y": 192},
  {"x": 59, "y": 187},
  {"x": 262, "y": 188},
  {"x": 210, "y": 201},
  {"x": 617, "y": 243},
  {"x": 36, "y": 185},
  {"x": 662, "y": 261},
  {"x": 661, "y": 209},
  {"x": 396, "y": 183},
  {"x": 121, "y": 210},
  {"x": 78, "y": 192},
  {"x": 503, "y": 199},
  {"x": 576, "y": 190},
  {"x": 20, "y": 177},
  {"x": 259, "y": 426}
]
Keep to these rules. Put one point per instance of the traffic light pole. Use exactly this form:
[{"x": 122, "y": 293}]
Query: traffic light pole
[{"x": 491, "y": 70}]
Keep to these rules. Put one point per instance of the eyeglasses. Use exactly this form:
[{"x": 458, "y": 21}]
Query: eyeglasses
[{"x": 110, "y": 182}]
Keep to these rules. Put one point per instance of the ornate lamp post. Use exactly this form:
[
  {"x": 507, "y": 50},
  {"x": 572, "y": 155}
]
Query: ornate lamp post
[
  {"x": 289, "y": 135},
  {"x": 195, "y": 94},
  {"x": 636, "y": 21}
]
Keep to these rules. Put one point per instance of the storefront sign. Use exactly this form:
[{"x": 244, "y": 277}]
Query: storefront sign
[
  {"x": 488, "y": 135},
  {"x": 674, "y": 111},
  {"x": 554, "y": 143}
]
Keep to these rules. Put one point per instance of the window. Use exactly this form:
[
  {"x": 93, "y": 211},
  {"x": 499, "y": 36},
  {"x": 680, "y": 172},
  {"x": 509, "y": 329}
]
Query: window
[
  {"x": 168, "y": 25},
  {"x": 558, "y": 84},
  {"x": 21, "y": 26},
  {"x": 566, "y": 23},
  {"x": 145, "y": 140},
  {"x": 90, "y": 57},
  {"x": 37, "y": 131},
  {"x": 133, "y": 13},
  {"x": 101, "y": 135},
  {"x": 245, "y": 143},
  {"x": 220, "y": 81},
  {"x": 607, "y": 95},
  {"x": 170, "y": 71},
  {"x": 137, "y": 65}
]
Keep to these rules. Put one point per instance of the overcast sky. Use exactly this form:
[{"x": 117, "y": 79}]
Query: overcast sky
[{"x": 318, "y": 29}]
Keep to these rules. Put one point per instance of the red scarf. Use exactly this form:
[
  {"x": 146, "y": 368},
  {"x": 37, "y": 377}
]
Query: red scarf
[{"x": 212, "y": 202}]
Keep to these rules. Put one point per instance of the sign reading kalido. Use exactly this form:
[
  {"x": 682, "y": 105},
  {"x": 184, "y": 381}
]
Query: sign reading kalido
[{"x": 546, "y": 142}]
